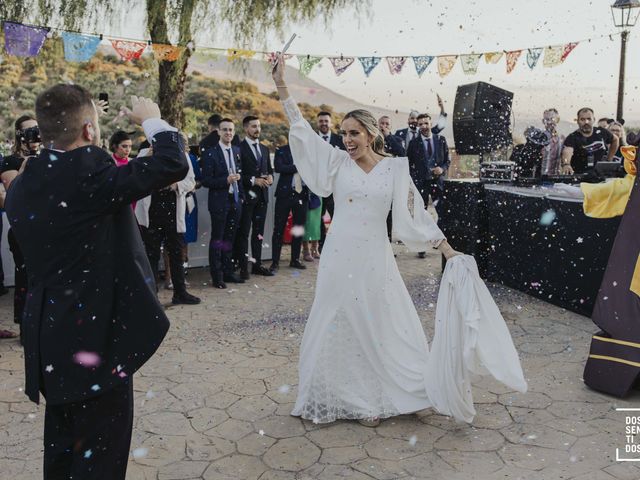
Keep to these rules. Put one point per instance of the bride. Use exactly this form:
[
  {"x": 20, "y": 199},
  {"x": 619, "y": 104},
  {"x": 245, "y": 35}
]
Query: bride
[{"x": 364, "y": 354}]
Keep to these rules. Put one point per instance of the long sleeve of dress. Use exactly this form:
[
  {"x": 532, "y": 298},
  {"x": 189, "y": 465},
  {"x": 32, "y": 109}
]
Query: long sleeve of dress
[
  {"x": 316, "y": 160},
  {"x": 411, "y": 222}
]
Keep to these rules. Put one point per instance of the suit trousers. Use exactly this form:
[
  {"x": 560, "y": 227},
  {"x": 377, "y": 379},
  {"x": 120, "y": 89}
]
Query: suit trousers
[
  {"x": 224, "y": 224},
  {"x": 90, "y": 439},
  {"x": 252, "y": 220},
  {"x": 162, "y": 229},
  {"x": 327, "y": 206},
  {"x": 297, "y": 204},
  {"x": 434, "y": 190},
  {"x": 20, "y": 279}
]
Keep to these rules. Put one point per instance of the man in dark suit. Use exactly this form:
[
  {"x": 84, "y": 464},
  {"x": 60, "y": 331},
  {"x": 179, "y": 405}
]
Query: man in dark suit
[
  {"x": 221, "y": 175},
  {"x": 406, "y": 135},
  {"x": 213, "y": 137},
  {"x": 292, "y": 195},
  {"x": 257, "y": 176},
  {"x": 325, "y": 123},
  {"x": 92, "y": 318},
  {"x": 428, "y": 164}
]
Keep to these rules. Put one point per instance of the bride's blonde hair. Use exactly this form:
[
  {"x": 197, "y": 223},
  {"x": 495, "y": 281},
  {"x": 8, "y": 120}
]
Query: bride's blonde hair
[{"x": 370, "y": 124}]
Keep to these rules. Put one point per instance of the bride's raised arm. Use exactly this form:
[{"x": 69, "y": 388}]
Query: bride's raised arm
[{"x": 316, "y": 160}]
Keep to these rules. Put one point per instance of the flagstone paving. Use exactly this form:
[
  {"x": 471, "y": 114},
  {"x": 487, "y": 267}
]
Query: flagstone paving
[{"x": 214, "y": 402}]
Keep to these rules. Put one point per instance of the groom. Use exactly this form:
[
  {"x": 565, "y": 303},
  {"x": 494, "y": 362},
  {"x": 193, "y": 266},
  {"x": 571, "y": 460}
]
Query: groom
[{"x": 92, "y": 317}]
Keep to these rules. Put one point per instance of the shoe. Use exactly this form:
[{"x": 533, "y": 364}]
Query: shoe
[
  {"x": 3, "y": 290},
  {"x": 422, "y": 254},
  {"x": 297, "y": 264},
  {"x": 7, "y": 334},
  {"x": 233, "y": 278},
  {"x": 168, "y": 286},
  {"x": 274, "y": 268},
  {"x": 244, "y": 275},
  {"x": 261, "y": 270},
  {"x": 316, "y": 255},
  {"x": 184, "y": 298},
  {"x": 219, "y": 284},
  {"x": 307, "y": 257},
  {"x": 369, "y": 422}
]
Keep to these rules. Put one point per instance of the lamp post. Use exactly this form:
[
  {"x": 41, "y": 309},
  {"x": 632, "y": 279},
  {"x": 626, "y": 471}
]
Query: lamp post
[{"x": 625, "y": 14}]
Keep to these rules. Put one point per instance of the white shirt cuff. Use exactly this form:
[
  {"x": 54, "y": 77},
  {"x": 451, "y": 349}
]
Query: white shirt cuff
[{"x": 152, "y": 126}]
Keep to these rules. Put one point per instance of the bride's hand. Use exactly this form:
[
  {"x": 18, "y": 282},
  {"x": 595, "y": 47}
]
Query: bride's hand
[
  {"x": 278, "y": 71},
  {"x": 447, "y": 250}
]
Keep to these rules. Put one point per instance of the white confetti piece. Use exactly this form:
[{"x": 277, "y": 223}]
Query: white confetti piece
[{"x": 140, "y": 452}]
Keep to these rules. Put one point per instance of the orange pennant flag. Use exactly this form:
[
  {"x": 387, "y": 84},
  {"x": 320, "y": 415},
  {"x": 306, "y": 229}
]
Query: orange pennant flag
[{"x": 167, "y": 53}]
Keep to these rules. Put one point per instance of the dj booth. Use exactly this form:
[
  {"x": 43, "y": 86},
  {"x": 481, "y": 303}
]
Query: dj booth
[{"x": 533, "y": 239}]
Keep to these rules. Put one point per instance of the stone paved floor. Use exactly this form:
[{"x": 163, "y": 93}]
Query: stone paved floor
[{"x": 214, "y": 402}]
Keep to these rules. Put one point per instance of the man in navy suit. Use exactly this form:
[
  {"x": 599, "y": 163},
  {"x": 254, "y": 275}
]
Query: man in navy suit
[
  {"x": 221, "y": 175},
  {"x": 428, "y": 164},
  {"x": 292, "y": 195},
  {"x": 257, "y": 176},
  {"x": 412, "y": 132},
  {"x": 325, "y": 123}
]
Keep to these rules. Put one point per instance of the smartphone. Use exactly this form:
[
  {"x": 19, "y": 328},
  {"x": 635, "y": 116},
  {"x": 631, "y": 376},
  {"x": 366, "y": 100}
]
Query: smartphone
[{"x": 104, "y": 96}]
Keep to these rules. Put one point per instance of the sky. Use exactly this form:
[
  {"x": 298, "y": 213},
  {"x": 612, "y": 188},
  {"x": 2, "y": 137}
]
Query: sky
[{"x": 588, "y": 77}]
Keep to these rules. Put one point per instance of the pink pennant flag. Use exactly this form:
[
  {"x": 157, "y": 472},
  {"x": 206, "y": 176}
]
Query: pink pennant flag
[
  {"x": 396, "y": 64},
  {"x": 512, "y": 59},
  {"x": 129, "y": 50},
  {"x": 568, "y": 48},
  {"x": 340, "y": 64}
]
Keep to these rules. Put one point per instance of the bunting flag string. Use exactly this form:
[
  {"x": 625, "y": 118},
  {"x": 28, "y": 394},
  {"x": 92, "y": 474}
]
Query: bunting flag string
[
  {"x": 512, "y": 59},
  {"x": 445, "y": 64},
  {"x": 129, "y": 50},
  {"x": 79, "y": 47},
  {"x": 340, "y": 64},
  {"x": 368, "y": 64},
  {"x": 422, "y": 63},
  {"x": 396, "y": 64},
  {"x": 23, "y": 40},
  {"x": 307, "y": 62},
  {"x": 533, "y": 55},
  {"x": 470, "y": 63},
  {"x": 26, "y": 41}
]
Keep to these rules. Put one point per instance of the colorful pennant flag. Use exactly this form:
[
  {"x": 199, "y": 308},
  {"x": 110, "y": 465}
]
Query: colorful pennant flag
[
  {"x": 493, "y": 57},
  {"x": 235, "y": 54},
  {"x": 445, "y": 64},
  {"x": 396, "y": 64},
  {"x": 552, "y": 56},
  {"x": 470, "y": 63},
  {"x": 568, "y": 48},
  {"x": 422, "y": 63},
  {"x": 368, "y": 64},
  {"x": 79, "y": 47},
  {"x": 23, "y": 40},
  {"x": 129, "y": 50},
  {"x": 533, "y": 55},
  {"x": 340, "y": 64},
  {"x": 307, "y": 62},
  {"x": 167, "y": 53},
  {"x": 512, "y": 59}
]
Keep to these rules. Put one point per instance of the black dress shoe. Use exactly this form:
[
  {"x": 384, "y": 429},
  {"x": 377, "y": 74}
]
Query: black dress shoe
[
  {"x": 274, "y": 268},
  {"x": 3, "y": 290},
  {"x": 261, "y": 270},
  {"x": 422, "y": 254},
  {"x": 297, "y": 264},
  {"x": 219, "y": 284},
  {"x": 233, "y": 278},
  {"x": 244, "y": 275},
  {"x": 185, "y": 298}
]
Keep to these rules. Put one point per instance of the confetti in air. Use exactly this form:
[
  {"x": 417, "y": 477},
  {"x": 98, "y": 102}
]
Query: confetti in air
[
  {"x": 547, "y": 218},
  {"x": 87, "y": 359}
]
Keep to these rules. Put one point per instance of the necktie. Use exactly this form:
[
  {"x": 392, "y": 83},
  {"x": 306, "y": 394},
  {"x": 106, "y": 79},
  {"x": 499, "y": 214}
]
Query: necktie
[
  {"x": 232, "y": 169},
  {"x": 263, "y": 167},
  {"x": 326, "y": 138},
  {"x": 297, "y": 182},
  {"x": 429, "y": 148},
  {"x": 413, "y": 135}
]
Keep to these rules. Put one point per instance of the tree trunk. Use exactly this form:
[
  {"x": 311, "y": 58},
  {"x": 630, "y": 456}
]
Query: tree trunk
[{"x": 172, "y": 78}]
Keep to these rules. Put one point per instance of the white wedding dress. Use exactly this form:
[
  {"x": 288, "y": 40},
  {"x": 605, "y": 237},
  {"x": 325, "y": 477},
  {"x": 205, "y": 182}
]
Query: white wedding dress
[{"x": 364, "y": 352}]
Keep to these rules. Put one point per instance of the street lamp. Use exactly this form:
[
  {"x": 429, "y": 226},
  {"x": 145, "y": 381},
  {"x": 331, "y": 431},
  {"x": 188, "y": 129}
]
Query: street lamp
[{"x": 625, "y": 14}]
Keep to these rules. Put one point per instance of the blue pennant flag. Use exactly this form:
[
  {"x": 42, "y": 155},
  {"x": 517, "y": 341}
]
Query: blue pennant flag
[
  {"x": 79, "y": 47},
  {"x": 368, "y": 64},
  {"x": 422, "y": 63},
  {"x": 533, "y": 55}
]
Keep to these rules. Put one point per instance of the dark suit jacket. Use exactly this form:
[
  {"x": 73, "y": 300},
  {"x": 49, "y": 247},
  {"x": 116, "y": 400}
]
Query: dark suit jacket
[
  {"x": 213, "y": 139},
  {"x": 251, "y": 168},
  {"x": 283, "y": 161},
  {"x": 393, "y": 146},
  {"x": 418, "y": 168},
  {"x": 90, "y": 288},
  {"x": 402, "y": 134},
  {"x": 215, "y": 173},
  {"x": 336, "y": 141}
]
